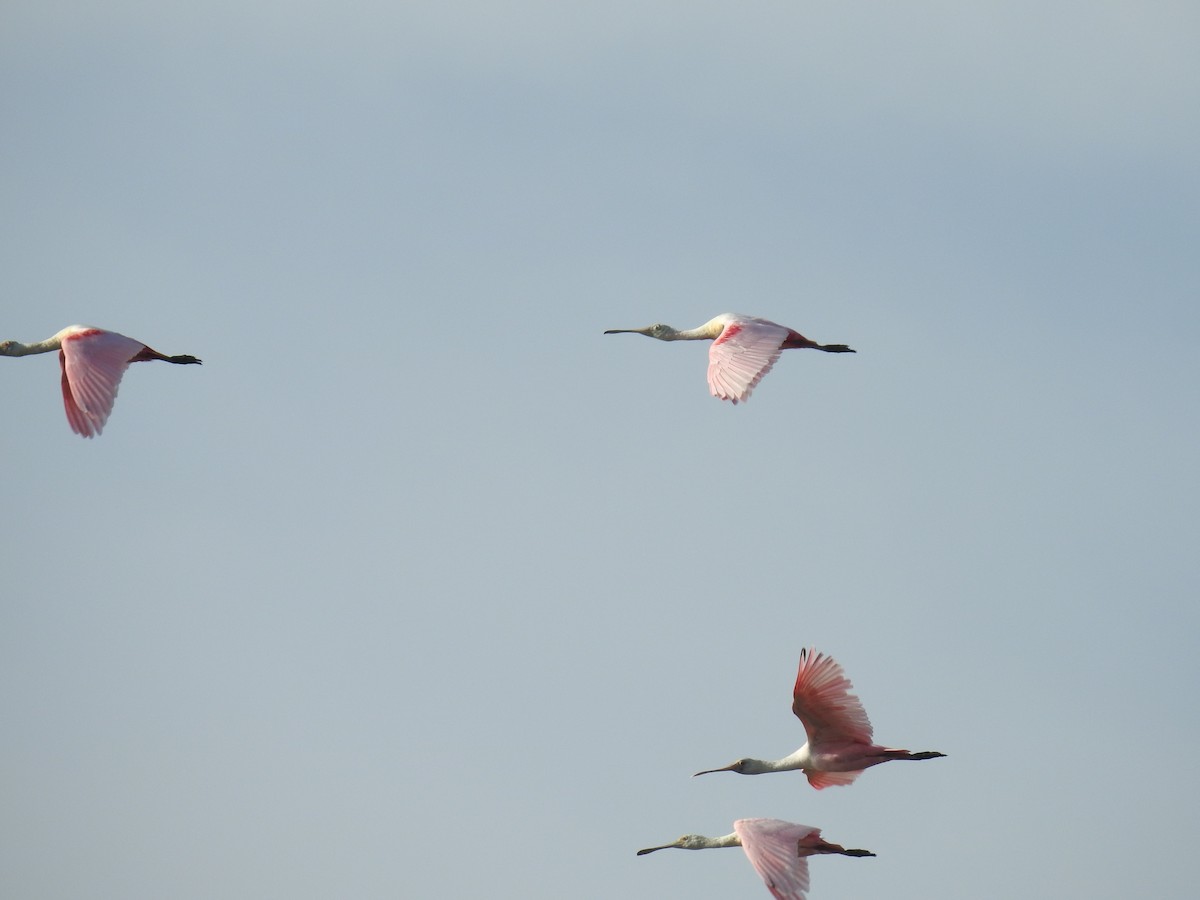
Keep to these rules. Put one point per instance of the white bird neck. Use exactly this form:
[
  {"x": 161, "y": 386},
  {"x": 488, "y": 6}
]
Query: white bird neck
[
  {"x": 49, "y": 345},
  {"x": 707, "y": 843},
  {"x": 798, "y": 760},
  {"x": 16, "y": 348},
  {"x": 706, "y": 332}
]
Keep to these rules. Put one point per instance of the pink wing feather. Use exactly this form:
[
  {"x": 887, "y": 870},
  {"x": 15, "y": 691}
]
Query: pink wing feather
[
  {"x": 821, "y": 780},
  {"x": 742, "y": 354},
  {"x": 75, "y": 417},
  {"x": 93, "y": 362},
  {"x": 773, "y": 847},
  {"x": 823, "y": 702}
]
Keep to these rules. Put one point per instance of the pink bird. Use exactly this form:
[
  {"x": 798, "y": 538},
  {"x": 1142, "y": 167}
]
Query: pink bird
[
  {"x": 839, "y": 744},
  {"x": 777, "y": 850},
  {"x": 92, "y": 361},
  {"x": 743, "y": 350}
]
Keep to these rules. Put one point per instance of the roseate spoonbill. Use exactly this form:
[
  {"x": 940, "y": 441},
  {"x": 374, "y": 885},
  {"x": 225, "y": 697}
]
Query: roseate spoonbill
[
  {"x": 743, "y": 351},
  {"x": 92, "y": 361},
  {"x": 777, "y": 850},
  {"x": 839, "y": 735}
]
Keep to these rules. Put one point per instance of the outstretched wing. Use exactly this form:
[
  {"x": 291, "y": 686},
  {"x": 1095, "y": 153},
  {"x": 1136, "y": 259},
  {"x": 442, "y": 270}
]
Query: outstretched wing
[
  {"x": 93, "y": 362},
  {"x": 773, "y": 848},
  {"x": 823, "y": 702},
  {"x": 742, "y": 354}
]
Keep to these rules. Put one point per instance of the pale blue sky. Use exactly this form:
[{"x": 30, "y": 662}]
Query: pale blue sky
[{"x": 422, "y": 587}]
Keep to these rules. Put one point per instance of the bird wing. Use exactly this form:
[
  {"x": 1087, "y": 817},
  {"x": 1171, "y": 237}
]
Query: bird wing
[
  {"x": 741, "y": 355},
  {"x": 823, "y": 702},
  {"x": 821, "y": 780},
  {"x": 773, "y": 848},
  {"x": 93, "y": 362},
  {"x": 75, "y": 418}
]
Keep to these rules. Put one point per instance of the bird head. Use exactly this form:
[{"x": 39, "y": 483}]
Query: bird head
[
  {"x": 657, "y": 330},
  {"x": 687, "y": 842},
  {"x": 739, "y": 766}
]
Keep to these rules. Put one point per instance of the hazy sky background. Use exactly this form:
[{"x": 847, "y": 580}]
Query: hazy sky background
[{"x": 423, "y": 587}]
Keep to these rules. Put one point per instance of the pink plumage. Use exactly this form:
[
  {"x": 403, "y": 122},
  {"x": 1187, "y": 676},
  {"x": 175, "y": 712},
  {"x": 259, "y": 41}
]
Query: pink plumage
[
  {"x": 775, "y": 848},
  {"x": 840, "y": 744},
  {"x": 822, "y": 700},
  {"x": 92, "y": 361},
  {"x": 744, "y": 349},
  {"x": 742, "y": 354}
]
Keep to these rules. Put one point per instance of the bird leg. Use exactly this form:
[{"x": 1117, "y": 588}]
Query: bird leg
[
  {"x": 824, "y": 846},
  {"x": 146, "y": 354}
]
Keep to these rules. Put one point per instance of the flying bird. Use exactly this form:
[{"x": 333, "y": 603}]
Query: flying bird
[
  {"x": 92, "y": 362},
  {"x": 777, "y": 850},
  {"x": 839, "y": 744},
  {"x": 744, "y": 349}
]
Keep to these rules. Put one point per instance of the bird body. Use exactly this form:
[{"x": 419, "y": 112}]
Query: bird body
[
  {"x": 92, "y": 362},
  {"x": 840, "y": 744},
  {"x": 744, "y": 349},
  {"x": 776, "y": 849}
]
